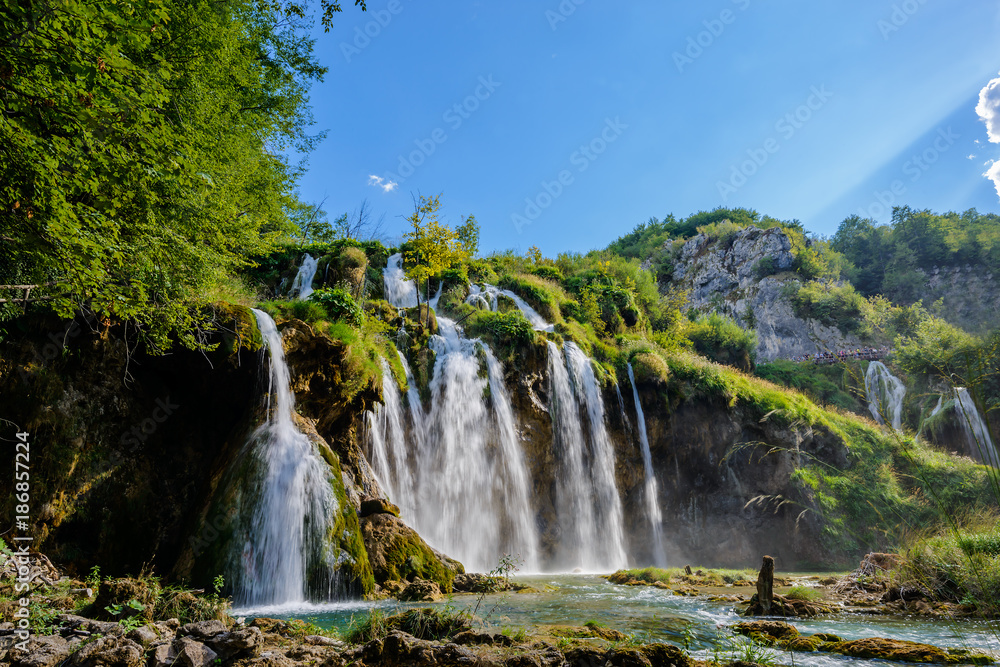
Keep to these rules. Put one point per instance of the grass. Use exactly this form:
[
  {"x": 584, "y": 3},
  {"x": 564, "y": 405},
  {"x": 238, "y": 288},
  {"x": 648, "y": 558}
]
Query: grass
[
  {"x": 676, "y": 575},
  {"x": 960, "y": 565},
  {"x": 804, "y": 593},
  {"x": 427, "y": 623}
]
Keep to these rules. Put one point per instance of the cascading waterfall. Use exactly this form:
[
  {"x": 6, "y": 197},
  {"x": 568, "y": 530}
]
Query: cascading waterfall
[
  {"x": 489, "y": 295},
  {"x": 389, "y": 454},
  {"x": 885, "y": 394},
  {"x": 975, "y": 428},
  {"x": 462, "y": 458},
  {"x": 471, "y": 487},
  {"x": 302, "y": 285},
  {"x": 653, "y": 513},
  {"x": 285, "y": 557},
  {"x": 399, "y": 291},
  {"x": 588, "y": 507}
]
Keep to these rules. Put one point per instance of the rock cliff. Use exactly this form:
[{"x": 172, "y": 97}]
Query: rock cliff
[{"x": 725, "y": 276}]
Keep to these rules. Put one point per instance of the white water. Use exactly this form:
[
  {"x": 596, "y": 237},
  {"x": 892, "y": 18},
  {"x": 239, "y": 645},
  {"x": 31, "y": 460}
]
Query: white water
[
  {"x": 399, "y": 290},
  {"x": 653, "y": 514},
  {"x": 293, "y": 503},
  {"x": 588, "y": 506},
  {"x": 885, "y": 394},
  {"x": 302, "y": 285},
  {"x": 975, "y": 428},
  {"x": 457, "y": 471},
  {"x": 488, "y": 295}
]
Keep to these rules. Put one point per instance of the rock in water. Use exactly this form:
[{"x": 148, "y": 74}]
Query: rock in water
[{"x": 765, "y": 585}]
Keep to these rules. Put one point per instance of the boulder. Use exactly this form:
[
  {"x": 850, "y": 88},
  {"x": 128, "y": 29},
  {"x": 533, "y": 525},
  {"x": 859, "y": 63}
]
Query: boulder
[
  {"x": 904, "y": 651},
  {"x": 42, "y": 652},
  {"x": 110, "y": 651},
  {"x": 202, "y": 630},
  {"x": 398, "y": 553},
  {"x": 183, "y": 652},
  {"x": 421, "y": 590},
  {"x": 371, "y": 506}
]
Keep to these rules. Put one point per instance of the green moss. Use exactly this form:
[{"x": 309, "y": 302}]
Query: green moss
[
  {"x": 407, "y": 559},
  {"x": 346, "y": 534}
]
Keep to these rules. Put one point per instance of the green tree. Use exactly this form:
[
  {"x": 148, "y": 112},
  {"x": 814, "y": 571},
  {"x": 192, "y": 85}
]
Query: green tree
[
  {"x": 141, "y": 150},
  {"x": 432, "y": 245},
  {"x": 468, "y": 235}
]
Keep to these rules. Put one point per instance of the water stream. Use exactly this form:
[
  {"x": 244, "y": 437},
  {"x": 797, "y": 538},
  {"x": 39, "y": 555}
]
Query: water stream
[
  {"x": 653, "y": 614},
  {"x": 302, "y": 285},
  {"x": 885, "y": 394},
  {"x": 284, "y": 557},
  {"x": 651, "y": 496},
  {"x": 975, "y": 428}
]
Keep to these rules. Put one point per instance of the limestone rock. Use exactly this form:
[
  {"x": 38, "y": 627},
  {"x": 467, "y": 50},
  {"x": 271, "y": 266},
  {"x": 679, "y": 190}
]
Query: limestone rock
[
  {"x": 723, "y": 277},
  {"x": 109, "y": 652},
  {"x": 371, "y": 506},
  {"x": 183, "y": 652},
  {"x": 421, "y": 590},
  {"x": 397, "y": 552},
  {"x": 43, "y": 652}
]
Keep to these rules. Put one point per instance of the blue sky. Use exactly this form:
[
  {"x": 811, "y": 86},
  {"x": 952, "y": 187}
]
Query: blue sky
[{"x": 563, "y": 125}]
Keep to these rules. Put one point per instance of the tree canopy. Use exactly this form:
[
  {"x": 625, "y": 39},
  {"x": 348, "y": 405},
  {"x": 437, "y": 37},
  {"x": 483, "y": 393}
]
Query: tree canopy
[{"x": 141, "y": 150}]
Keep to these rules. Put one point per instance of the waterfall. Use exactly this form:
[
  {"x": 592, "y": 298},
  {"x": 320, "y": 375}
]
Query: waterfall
[
  {"x": 588, "y": 507},
  {"x": 481, "y": 294},
  {"x": 457, "y": 471},
  {"x": 389, "y": 455},
  {"x": 885, "y": 395},
  {"x": 284, "y": 553},
  {"x": 653, "y": 513},
  {"x": 399, "y": 290},
  {"x": 976, "y": 430},
  {"x": 302, "y": 285}
]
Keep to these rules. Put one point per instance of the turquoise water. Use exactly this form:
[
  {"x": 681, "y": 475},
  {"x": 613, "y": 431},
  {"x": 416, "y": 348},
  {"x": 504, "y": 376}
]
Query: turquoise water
[{"x": 656, "y": 615}]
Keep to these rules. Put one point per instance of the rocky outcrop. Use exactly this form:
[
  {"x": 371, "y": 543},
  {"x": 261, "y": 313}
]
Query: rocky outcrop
[
  {"x": 398, "y": 554},
  {"x": 967, "y": 296},
  {"x": 725, "y": 276}
]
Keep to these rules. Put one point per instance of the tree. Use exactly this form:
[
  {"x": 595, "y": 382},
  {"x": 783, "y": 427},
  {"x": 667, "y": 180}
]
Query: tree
[
  {"x": 312, "y": 223},
  {"x": 141, "y": 150},
  {"x": 433, "y": 246},
  {"x": 359, "y": 225},
  {"x": 468, "y": 235}
]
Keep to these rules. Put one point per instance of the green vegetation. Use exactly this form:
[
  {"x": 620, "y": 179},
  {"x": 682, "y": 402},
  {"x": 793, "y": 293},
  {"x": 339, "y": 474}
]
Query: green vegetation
[
  {"x": 804, "y": 593},
  {"x": 960, "y": 565},
  {"x": 839, "y": 385},
  {"x": 676, "y": 575},
  {"x": 720, "y": 339},
  {"x": 427, "y": 623},
  {"x": 887, "y": 259}
]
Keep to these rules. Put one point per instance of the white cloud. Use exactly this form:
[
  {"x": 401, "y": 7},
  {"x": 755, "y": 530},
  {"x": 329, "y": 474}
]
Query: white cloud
[
  {"x": 989, "y": 109},
  {"x": 993, "y": 173},
  {"x": 379, "y": 182}
]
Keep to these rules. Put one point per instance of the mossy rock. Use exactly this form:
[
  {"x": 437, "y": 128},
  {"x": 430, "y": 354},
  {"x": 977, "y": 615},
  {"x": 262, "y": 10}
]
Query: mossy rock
[
  {"x": 397, "y": 552},
  {"x": 905, "y": 651}
]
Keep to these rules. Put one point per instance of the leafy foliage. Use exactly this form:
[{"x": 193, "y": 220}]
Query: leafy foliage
[
  {"x": 140, "y": 150},
  {"x": 339, "y": 304}
]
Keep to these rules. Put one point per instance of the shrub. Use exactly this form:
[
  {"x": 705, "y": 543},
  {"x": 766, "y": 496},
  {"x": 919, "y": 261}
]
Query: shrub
[
  {"x": 765, "y": 266},
  {"x": 720, "y": 339},
  {"x": 832, "y": 304},
  {"x": 339, "y": 305}
]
